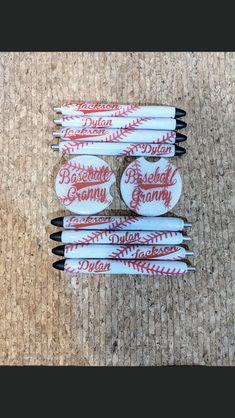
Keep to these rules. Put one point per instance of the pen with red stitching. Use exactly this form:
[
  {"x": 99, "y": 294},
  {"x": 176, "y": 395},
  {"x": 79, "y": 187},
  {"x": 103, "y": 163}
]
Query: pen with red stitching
[
  {"x": 99, "y": 236},
  {"x": 121, "y": 223},
  {"x": 133, "y": 251},
  {"x": 104, "y": 266},
  {"x": 120, "y": 135},
  {"x": 118, "y": 149},
  {"x": 165, "y": 124},
  {"x": 117, "y": 110}
]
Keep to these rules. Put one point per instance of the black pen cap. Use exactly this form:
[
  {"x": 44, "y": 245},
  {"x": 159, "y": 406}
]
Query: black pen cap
[
  {"x": 58, "y": 250},
  {"x": 179, "y": 113},
  {"x": 57, "y": 221},
  {"x": 180, "y": 124},
  {"x": 179, "y": 150},
  {"x": 59, "y": 265},
  {"x": 56, "y": 236},
  {"x": 180, "y": 137}
]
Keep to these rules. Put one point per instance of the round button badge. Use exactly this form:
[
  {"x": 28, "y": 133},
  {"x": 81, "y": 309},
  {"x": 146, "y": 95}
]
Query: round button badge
[
  {"x": 83, "y": 185},
  {"x": 151, "y": 188}
]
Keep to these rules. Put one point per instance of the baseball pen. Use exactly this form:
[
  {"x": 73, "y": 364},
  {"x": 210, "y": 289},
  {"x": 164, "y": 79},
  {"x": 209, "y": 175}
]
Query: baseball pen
[
  {"x": 118, "y": 149},
  {"x": 123, "y": 223},
  {"x": 114, "y": 110},
  {"x": 134, "y": 251},
  {"x": 120, "y": 135},
  {"x": 99, "y": 236},
  {"x": 102, "y": 266},
  {"x": 163, "y": 124}
]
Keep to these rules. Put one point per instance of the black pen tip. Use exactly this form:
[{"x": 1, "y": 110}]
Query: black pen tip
[
  {"x": 180, "y": 137},
  {"x": 59, "y": 265},
  {"x": 58, "y": 250},
  {"x": 180, "y": 124},
  {"x": 179, "y": 113},
  {"x": 179, "y": 150},
  {"x": 57, "y": 221},
  {"x": 56, "y": 236}
]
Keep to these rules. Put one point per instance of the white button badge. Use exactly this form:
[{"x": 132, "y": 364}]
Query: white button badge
[
  {"x": 83, "y": 185},
  {"x": 151, "y": 188}
]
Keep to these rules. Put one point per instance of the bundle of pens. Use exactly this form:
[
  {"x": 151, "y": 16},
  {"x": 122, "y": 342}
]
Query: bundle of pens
[
  {"x": 120, "y": 244},
  {"x": 151, "y": 128}
]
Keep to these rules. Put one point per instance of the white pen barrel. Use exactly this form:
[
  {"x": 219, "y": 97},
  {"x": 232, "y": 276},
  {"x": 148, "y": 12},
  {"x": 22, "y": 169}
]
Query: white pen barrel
[
  {"x": 127, "y": 223},
  {"x": 74, "y": 109},
  {"x": 113, "y": 123},
  {"x": 102, "y": 266},
  {"x": 119, "y": 149},
  {"x": 142, "y": 252},
  {"x": 121, "y": 237},
  {"x": 150, "y": 136}
]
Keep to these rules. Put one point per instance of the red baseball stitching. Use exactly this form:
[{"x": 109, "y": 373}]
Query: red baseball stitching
[
  {"x": 125, "y": 112},
  {"x": 75, "y": 166},
  {"x": 123, "y": 132},
  {"x": 127, "y": 220},
  {"x": 69, "y": 147},
  {"x": 168, "y": 166},
  {"x": 159, "y": 235},
  {"x": 166, "y": 138},
  {"x": 94, "y": 237},
  {"x": 71, "y": 117},
  {"x": 70, "y": 247},
  {"x": 124, "y": 249},
  {"x": 143, "y": 266},
  {"x": 68, "y": 269},
  {"x": 137, "y": 167},
  {"x": 118, "y": 135},
  {"x": 131, "y": 149}
]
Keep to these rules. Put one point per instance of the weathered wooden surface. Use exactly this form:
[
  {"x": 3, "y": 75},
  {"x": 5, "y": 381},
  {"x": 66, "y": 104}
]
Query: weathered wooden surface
[{"x": 47, "y": 317}]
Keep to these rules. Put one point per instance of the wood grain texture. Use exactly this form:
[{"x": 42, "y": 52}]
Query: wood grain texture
[{"x": 48, "y": 317}]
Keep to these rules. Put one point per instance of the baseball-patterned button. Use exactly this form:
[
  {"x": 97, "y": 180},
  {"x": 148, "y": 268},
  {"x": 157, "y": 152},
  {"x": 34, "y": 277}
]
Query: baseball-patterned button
[
  {"x": 151, "y": 188},
  {"x": 83, "y": 185}
]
